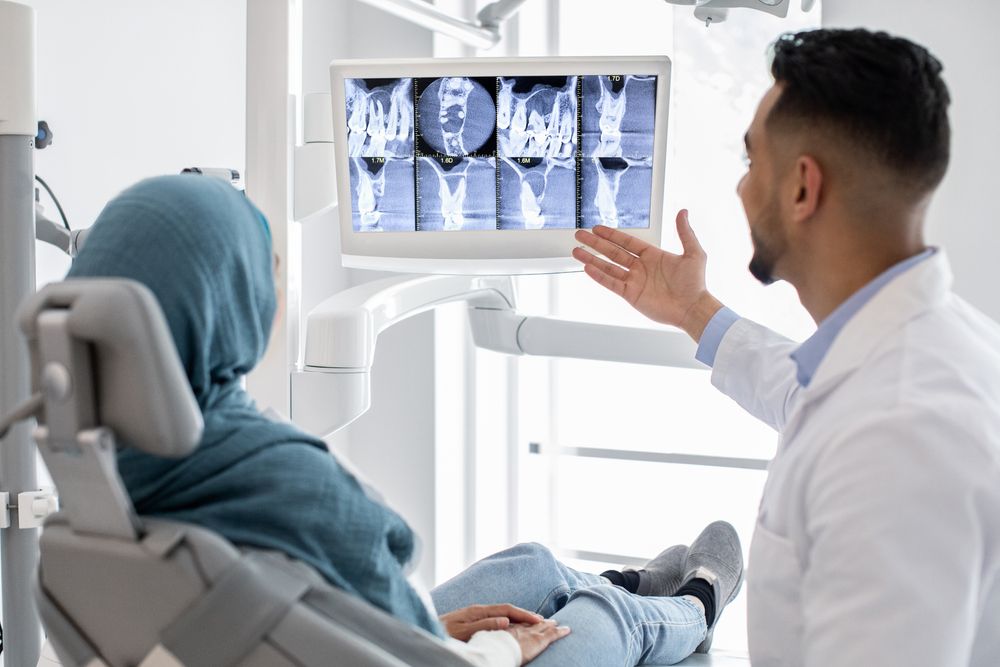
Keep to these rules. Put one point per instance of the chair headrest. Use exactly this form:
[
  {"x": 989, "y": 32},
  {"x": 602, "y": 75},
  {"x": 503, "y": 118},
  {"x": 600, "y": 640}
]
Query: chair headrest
[{"x": 141, "y": 391}]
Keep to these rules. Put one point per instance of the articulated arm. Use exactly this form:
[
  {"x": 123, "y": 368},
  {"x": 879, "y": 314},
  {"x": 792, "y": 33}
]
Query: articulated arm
[
  {"x": 341, "y": 331},
  {"x": 506, "y": 331},
  {"x": 333, "y": 389},
  {"x": 68, "y": 240}
]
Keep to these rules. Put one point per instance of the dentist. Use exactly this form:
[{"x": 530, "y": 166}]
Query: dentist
[{"x": 878, "y": 535}]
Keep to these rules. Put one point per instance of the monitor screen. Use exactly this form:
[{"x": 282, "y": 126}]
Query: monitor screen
[{"x": 478, "y": 149}]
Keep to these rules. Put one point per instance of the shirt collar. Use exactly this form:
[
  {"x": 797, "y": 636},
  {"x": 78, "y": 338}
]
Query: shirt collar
[{"x": 810, "y": 354}]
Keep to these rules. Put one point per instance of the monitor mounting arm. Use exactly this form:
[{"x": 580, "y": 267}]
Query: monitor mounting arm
[{"x": 333, "y": 388}]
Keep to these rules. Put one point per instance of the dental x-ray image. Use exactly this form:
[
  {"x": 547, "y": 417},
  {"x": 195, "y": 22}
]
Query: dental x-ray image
[
  {"x": 382, "y": 194},
  {"x": 456, "y": 116},
  {"x": 619, "y": 113},
  {"x": 616, "y": 192},
  {"x": 379, "y": 117},
  {"x": 456, "y": 193},
  {"x": 514, "y": 152},
  {"x": 537, "y": 193},
  {"x": 537, "y": 116}
]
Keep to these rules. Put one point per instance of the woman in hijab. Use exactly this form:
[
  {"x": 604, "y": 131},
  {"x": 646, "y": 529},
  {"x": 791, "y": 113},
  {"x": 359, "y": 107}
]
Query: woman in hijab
[{"x": 205, "y": 252}]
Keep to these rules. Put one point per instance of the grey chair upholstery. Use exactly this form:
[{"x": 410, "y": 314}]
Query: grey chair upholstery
[{"x": 121, "y": 590}]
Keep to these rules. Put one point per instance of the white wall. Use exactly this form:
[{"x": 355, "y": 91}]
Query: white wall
[
  {"x": 965, "y": 215},
  {"x": 132, "y": 90},
  {"x": 135, "y": 89},
  {"x": 394, "y": 443}
]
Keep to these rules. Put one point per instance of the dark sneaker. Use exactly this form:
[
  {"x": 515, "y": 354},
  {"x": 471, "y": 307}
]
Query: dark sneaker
[{"x": 716, "y": 557}]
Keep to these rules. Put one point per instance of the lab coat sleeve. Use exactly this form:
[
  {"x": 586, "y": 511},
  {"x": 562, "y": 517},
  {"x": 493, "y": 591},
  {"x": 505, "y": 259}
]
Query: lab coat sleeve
[
  {"x": 753, "y": 367},
  {"x": 490, "y": 648},
  {"x": 894, "y": 545}
]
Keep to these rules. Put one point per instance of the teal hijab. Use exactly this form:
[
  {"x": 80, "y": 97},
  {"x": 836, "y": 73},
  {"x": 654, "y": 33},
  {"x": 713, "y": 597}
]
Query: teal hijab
[{"x": 205, "y": 252}]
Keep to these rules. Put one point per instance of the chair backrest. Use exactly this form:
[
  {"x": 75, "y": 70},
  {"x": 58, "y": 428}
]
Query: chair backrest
[
  {"x": 105, "y": 365},
  {"x": 114, "y": 590},
  {"x": 137, "y": 387}
]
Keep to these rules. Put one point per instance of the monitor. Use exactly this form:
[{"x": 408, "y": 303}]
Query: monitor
[{"x": 490, "y": 165}]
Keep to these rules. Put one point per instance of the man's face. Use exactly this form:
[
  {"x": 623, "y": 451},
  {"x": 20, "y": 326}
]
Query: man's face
[{"x": 758, "y": 190}]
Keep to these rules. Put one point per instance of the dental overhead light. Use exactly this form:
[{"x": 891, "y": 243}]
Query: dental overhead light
[
  {"x": 482, "y": 33},
  {"x": 716, "y": 11}
]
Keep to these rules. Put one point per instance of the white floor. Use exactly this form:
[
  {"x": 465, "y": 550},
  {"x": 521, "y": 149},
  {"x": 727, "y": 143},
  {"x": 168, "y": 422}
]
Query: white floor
[{"x": 718, "y": 659}]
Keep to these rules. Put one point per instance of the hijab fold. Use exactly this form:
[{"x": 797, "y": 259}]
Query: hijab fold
[{"x": 205, "y": 252}]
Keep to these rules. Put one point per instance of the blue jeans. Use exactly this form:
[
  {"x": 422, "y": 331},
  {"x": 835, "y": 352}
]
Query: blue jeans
[{"x": 610, "y": 626}]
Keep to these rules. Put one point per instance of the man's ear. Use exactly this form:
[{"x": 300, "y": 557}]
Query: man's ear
[{"x": 808, "y": 188}]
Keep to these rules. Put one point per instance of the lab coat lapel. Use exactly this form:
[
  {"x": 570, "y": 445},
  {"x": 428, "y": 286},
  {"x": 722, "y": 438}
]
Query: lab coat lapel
[{"x": 914, "y": 292}]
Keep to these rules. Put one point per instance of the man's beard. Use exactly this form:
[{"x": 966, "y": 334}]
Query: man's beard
[
  {"x": 766, "y": 251},
  {"x": 762, "y": 265}
]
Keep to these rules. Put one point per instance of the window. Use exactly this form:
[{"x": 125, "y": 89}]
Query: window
[{"x": 615, "y": 462}]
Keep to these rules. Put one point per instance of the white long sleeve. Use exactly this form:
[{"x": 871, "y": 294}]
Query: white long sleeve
[
  {"x": 753, "y": 366},
  {"x": 489, "y": 648}
]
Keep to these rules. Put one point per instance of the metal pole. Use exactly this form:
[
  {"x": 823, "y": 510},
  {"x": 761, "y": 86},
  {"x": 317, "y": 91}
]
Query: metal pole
[
  {"x": 18, "y": 548},
  {"x": 274, "y": 34}
]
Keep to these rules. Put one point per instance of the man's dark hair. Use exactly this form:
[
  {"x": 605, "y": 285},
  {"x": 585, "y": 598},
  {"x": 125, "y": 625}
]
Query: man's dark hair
[{"x": 880, "y": 95}]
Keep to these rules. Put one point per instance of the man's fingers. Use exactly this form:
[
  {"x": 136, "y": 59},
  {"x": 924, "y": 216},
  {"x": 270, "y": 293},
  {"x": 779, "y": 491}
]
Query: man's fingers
[
  {"x": 612, "y": 251},
  {"x": 603, "y": 279},
  {"x": 627, "y": 241},
  {"x": 590, "y": 259},
  {"x": 689, "y": 241}
]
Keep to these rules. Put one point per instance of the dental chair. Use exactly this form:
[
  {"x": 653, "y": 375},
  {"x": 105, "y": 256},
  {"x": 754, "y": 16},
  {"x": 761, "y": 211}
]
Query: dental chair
[{"x": 116, "y": 589}]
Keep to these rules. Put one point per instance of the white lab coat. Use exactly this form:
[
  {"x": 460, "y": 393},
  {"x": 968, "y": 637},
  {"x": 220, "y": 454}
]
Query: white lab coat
[{"x": 878, "y": 536}]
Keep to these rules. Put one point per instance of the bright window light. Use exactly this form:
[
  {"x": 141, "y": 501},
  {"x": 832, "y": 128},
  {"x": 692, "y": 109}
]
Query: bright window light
[{"x": 609, "y": 511}]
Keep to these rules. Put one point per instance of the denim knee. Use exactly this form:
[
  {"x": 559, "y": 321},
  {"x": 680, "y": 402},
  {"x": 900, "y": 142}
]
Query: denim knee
[
  {"x": 612, "y": 599},
  {"x": 605, "y": 593},
  {"x": 530, "y": 550}
]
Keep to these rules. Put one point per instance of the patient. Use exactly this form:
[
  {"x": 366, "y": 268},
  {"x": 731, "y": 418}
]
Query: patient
[{"x": 205, "y": 252}]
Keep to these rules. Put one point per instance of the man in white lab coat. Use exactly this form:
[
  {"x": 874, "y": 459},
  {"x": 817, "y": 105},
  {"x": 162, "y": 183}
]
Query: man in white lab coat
[{"x": 878, "y": 536}]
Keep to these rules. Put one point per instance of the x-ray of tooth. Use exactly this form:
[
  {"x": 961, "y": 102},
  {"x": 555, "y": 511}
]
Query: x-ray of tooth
[
  {"x": 537, "y": 193},
  {"x": 457, "y": 116},
  {"x": 379, "y": 117},
  {"x": 382, "y": 194},
  {"x": 457, "y": 193},
  {"x": 619, "y": 114},
  {"x": 616, "y": 192},
  {"x": 537, "y": 116}
]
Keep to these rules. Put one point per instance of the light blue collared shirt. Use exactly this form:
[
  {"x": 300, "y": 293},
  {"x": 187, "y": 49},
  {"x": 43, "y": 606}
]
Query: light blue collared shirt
[{"x": 807, "y": 357}]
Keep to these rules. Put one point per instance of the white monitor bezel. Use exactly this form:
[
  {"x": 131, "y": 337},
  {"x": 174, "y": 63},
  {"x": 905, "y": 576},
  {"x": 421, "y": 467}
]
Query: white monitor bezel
[{"x": 508, "y": 252}]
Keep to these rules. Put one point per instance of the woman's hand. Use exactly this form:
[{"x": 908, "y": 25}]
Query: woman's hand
[
  {"x": 534, "y": 639},
  {"x": 463, "y": 623}
]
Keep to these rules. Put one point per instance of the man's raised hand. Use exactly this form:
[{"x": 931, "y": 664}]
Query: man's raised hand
[{"x": 663, "y": 286}]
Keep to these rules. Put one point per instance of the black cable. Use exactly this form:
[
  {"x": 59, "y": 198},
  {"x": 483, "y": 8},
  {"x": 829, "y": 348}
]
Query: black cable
[{"x": 62, "y": 214}]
